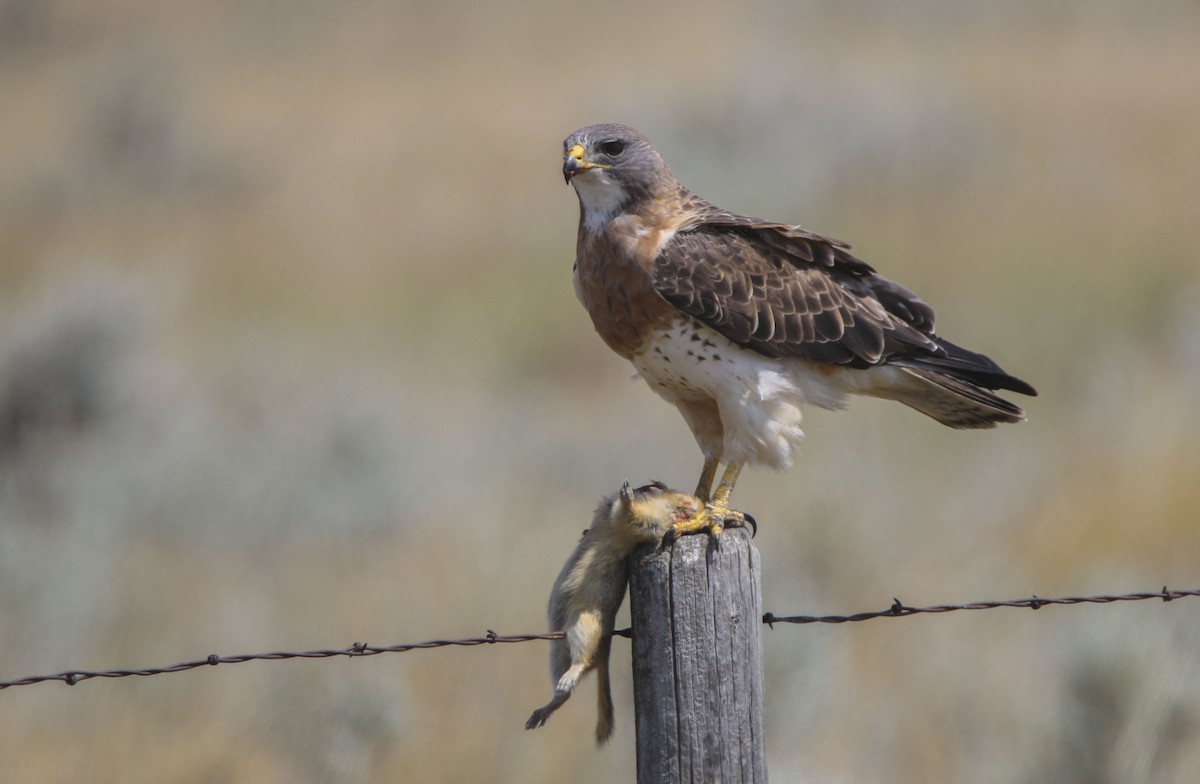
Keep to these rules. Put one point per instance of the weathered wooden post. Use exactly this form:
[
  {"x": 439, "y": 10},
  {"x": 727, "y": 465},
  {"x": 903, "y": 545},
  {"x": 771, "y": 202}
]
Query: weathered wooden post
[{"x": 697, "y": 661}]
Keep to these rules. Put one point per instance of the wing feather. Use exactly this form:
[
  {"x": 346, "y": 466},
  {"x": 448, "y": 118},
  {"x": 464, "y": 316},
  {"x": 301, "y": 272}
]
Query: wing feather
[{"x": 782, "y": 291}]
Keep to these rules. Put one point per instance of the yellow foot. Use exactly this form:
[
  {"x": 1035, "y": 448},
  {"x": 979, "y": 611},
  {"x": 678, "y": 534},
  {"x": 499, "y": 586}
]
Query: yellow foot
[{"x": 714, "y": 519}]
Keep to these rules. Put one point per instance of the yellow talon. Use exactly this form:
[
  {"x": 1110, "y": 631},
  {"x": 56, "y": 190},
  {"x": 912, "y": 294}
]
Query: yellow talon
[
  {"x": 716, "y": 512},
  {"x": 712, "y": 519},
  {"x": 708, "y": 519}
]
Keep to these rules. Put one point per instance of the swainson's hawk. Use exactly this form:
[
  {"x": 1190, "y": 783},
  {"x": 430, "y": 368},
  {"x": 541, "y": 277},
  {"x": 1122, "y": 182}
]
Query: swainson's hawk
[{"x": 739, "y": 321}]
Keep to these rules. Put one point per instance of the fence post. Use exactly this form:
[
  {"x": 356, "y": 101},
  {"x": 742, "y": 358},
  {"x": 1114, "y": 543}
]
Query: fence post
[{"x": 697, "y": 661}]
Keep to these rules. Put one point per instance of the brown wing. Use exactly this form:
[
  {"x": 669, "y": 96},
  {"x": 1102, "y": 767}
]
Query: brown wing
[{"x": 786, "y": 292}]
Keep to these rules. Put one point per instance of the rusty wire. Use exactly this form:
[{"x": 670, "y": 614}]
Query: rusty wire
[{"x": 897, "y": 610}]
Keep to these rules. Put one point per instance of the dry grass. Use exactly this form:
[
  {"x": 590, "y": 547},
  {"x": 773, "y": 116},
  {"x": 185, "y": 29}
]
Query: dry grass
[{"x": 289, "y": 358}]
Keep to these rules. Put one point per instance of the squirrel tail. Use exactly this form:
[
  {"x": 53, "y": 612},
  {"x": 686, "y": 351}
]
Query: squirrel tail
[{"x": 604, "y": 704}]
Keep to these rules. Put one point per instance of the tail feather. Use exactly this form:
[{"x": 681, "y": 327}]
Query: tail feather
[
  {"x": 963, "y": 364},
  {"x": 956, "y": 402},
  {"x": 954, "y": 386}
]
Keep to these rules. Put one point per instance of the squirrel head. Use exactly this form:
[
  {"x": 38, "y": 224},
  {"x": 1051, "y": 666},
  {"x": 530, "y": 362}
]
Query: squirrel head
[{"x": 653, "y": 507}]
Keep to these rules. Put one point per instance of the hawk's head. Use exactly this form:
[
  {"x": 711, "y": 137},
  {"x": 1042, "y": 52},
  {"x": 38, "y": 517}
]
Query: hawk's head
[{"x": 611, "y": 166}]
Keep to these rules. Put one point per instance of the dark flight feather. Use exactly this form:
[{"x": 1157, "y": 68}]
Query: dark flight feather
[{"x": 786, "y": 292}]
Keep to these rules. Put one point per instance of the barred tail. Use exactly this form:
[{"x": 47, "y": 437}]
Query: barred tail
[
  {"x": 955, "y": 387},
  {"x": 956, "y": 403}
]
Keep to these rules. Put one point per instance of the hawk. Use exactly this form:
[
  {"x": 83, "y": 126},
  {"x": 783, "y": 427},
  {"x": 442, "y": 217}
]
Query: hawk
[{"x": 739, "y": 322}]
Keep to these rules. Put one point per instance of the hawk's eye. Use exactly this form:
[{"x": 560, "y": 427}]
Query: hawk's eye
[{"x": 613, "y": 148}]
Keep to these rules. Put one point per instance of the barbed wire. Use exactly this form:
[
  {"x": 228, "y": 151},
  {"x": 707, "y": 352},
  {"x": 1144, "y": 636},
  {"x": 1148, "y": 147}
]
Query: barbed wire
[
  {"x": 897, "y": 610},
  {"x": 900, "y": 610}
]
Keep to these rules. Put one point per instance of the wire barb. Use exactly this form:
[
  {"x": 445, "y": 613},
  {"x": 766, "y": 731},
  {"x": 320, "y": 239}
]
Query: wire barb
[{"x": 897, "y": 610}]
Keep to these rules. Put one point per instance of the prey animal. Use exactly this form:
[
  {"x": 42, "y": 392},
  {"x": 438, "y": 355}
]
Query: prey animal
[{"x": 591, "y": 586}]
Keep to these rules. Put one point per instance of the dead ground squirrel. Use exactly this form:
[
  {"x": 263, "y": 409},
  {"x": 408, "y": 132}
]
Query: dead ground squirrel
[{"x": 591, "y": 586}]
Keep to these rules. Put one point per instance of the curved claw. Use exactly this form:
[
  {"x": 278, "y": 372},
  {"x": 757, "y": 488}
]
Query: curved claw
[{"x": 736, "y": 519}]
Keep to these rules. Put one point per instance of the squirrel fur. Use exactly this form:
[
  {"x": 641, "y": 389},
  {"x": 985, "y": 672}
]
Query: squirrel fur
[{"x": 591, "y": 586}]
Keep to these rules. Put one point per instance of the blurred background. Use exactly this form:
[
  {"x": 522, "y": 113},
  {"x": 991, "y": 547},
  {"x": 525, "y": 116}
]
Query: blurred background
[{"x": 290, "y": 358}]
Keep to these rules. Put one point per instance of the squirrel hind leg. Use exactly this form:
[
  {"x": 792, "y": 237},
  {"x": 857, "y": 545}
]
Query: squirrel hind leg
[
  {"x": 539, "y": 716},
  {"x": 562, "y": 692}
]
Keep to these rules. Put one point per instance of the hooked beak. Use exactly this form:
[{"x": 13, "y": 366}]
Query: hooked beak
[{"x": 573, "y": 163}]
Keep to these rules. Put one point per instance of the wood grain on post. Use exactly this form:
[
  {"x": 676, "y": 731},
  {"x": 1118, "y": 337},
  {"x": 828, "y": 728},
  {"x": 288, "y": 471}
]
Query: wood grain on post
[{"x": 697, "y": 661}]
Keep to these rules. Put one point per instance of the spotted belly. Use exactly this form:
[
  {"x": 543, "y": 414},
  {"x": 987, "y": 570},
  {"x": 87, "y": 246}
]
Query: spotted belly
[
  {"x": 688, "y": 361},
  {"x": 757, "y": 399}
]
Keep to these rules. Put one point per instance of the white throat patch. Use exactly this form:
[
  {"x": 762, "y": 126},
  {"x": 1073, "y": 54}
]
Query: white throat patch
[{"x": 600, "y": 196}]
